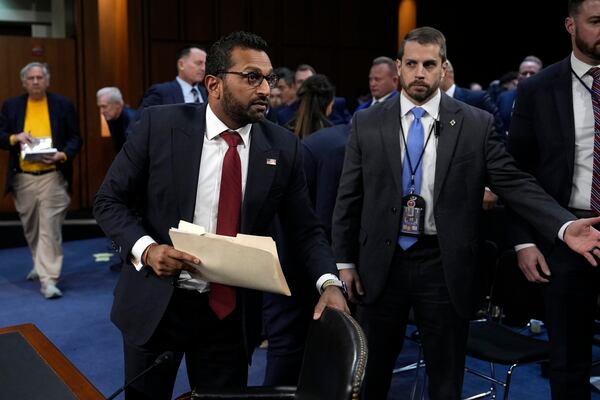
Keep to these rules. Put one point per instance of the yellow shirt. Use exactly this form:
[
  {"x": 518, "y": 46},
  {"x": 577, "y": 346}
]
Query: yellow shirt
[{"x": 37, "y": 123}]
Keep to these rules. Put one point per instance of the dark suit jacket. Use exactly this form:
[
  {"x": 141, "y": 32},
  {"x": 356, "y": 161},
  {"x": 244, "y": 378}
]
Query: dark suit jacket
[
  {"x": 120, "y": 128},
  {"x": 323, "y": 160},
  {"x": 339, "y": 113},
  {"x": 469, "y": 157},
  {"x": 166, "y": 93},
  {"x": 158, "y": 169},
  {"x": 505, "y": 104},
  {"x": 65, "y": 132},
  {"x": 483, "y": 101},
  {"x": 367, "y": 104},
  {"x": 542, "y": 138}
]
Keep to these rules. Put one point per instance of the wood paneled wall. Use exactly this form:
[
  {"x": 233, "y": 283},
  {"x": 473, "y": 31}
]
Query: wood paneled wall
[{"x": 132, "y": 44}]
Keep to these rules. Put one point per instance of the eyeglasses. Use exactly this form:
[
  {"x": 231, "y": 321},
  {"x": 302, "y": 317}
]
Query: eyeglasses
[{"x": 255, "y": 79}]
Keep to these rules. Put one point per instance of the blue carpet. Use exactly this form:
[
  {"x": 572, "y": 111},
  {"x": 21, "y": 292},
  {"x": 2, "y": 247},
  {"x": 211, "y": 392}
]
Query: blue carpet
[{"x": 78, "y": 324}]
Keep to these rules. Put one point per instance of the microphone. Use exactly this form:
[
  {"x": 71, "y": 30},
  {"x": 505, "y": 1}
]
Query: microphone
[
  {"x": 167, "y": 356},
  {"x": 438, "y": 128}
]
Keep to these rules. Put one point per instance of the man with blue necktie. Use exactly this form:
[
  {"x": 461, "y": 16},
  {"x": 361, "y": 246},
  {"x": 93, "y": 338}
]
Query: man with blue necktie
[
  {"x": 407, "y": 222},
  {"x": 187, "y": 87}
]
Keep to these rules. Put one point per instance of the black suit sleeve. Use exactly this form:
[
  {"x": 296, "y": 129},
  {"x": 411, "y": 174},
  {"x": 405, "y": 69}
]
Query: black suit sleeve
[{"x": 73, "y": 140}]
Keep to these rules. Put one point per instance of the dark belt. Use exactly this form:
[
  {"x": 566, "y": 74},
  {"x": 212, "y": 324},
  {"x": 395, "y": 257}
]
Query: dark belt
[
  {"x": 43, "y": 172},
  {"x": 582, "y": 213}
]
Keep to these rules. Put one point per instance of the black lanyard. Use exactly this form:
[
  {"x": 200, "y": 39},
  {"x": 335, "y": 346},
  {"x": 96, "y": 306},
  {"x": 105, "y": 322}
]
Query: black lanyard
[
  {"x": 589, "y": 89},
  {"x": 407, "y": 155}
]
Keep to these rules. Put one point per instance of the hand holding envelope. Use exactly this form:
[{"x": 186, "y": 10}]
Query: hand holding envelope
[{"x": 246, "y": 261}]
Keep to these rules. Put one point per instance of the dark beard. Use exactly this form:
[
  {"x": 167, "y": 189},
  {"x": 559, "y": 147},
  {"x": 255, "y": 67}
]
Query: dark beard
[
  {"x": 586, "y": 49},
  {"x": 420, "y": 97},
  {"x": 242, "y": 114}
]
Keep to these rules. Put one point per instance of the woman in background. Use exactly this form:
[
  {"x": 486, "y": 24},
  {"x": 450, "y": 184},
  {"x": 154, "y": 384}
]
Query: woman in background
[{"x": 315, "y": 98}]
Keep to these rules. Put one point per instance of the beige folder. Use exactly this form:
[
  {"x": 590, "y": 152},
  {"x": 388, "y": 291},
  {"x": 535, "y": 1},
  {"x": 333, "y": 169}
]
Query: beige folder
[{"x": 245, "y": 260}]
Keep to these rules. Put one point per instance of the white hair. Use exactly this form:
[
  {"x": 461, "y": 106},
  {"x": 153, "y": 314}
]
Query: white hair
[
  {"x": 113, "y": 93},
  {"x": 43, "y": 66}
]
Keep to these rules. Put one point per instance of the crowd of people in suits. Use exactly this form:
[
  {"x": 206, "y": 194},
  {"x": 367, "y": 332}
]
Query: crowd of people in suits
[{"x": 383, "y": 205}]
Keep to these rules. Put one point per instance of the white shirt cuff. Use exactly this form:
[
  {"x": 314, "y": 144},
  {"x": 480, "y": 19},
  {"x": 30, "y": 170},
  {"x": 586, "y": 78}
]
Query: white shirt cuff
[
  {"x": 345, "y": 266},
  {"x": 561, "y": 231},
  {"x": 524, "y": 246},
  {"x": 138, "y": 250},
  {"x": 323, "y": 278}
]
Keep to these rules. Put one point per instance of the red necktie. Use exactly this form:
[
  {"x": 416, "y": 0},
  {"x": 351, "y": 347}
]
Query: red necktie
[
  {"x": 222, "y": 297},
  {"x": 595, "y": 197}
]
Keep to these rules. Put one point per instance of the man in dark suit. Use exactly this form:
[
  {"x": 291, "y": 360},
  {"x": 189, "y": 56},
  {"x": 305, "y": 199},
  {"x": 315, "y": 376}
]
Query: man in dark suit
[
  {"x": 186, "y": 87},
  {"x": 383, "y": 82},
  {"x": 408, "y": 235},
  {"x": 553, "y": 134},
  {"x": 40, "y": 187},
  {"x": 171, "y": 167},
  {"x": 117, "y": 115}
]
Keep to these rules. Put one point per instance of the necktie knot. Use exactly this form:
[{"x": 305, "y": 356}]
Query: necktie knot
[
  {"x": 594, "y": 72},
  {"x": 195, "y": 94},
  {"x": 232, "y": 138},
  {"x": 418, "y": 112}
]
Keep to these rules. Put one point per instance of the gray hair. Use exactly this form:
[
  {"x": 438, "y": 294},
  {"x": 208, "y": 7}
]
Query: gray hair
[
  {"x": 113, "y": 93},
  {"x": 43, "y": 66}
]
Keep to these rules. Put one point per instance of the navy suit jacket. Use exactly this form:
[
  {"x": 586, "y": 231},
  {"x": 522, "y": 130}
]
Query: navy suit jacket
[
  {"x": 542, "y": 139},
  {"x": 152, "y": 185},
  {"x": 482, "y": 100},
  {"x": 367, "y": 104},
  {"x": 167, "y": 93},
  {"x": 339, "y": 113},
  {"x": 505, "y": 104},
  {"x": 65, "y": 132},
  {"x": 323, "y": 160},
  {"x": 120, "y": 128}
]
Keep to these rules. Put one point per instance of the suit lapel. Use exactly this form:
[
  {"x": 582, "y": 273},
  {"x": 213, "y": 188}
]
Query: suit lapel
[
  {"x": 187, "y": 144},
  {"x": 54, "y": 113},
  {"x": 562, "y": 93},
  {"x": 177, "y": 93},
  {"x": 261, "y": 172},
  {"x": 450, "y": 122},
  {"x": 21, "y": 111},
  {"x": 390, "y": 134}
]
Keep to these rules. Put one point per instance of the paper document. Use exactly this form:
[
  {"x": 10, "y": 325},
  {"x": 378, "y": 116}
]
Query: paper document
[
  {"x": 37, "y": 149},
  {"x": 245, "y": 260}
]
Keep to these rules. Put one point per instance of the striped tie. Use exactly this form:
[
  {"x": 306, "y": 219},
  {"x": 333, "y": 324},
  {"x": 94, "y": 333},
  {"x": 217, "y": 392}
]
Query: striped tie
[{"x": 595, "y": 197}]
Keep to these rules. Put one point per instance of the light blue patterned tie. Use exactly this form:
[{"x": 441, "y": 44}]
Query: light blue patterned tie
[{"x": 414, "y": 148}]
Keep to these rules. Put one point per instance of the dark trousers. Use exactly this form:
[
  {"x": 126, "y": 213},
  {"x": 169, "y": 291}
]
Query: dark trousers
[
  {"x": 570, "y": 298},
  {"x": 416, "y": 280},
  {"x": 214, "y": 350}
]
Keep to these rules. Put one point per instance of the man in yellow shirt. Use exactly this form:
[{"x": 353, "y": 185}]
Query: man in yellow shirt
[{"x": 40, "y": 186}]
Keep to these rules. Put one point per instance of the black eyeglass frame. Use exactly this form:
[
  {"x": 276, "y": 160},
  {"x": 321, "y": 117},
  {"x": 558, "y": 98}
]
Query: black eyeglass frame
[{"x": 256, "y": 77}]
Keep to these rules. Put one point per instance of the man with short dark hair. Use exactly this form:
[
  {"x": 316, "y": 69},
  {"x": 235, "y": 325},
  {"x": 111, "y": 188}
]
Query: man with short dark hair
[
  {"x": 407, "y": 221},
  {"x": 222, "y": 166},
  {"x": 187, "y": 86},
  {"x": 40, "y": 187}
]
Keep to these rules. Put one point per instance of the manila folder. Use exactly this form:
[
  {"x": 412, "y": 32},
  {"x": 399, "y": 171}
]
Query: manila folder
[{"x": 245, "y": 260}]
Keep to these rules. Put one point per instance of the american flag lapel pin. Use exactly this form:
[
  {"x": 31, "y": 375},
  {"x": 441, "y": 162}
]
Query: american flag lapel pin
[{"x": 271, "y": 161}]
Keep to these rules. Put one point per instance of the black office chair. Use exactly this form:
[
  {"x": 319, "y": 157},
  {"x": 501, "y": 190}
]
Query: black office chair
[
  {"x": 332, "y": 368},
  {"x": 495, "y": 343}
]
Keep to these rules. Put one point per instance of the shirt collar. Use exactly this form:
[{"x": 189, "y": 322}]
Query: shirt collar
[
  {"x": 451, "y": 90},
  {"x": 214, "y": 127},
  {"x": 185, "y": 86},
  {"x": 579, "y": 66},
  {"x": 432, "y": 107},
  {"x": 383, "y": 98}
]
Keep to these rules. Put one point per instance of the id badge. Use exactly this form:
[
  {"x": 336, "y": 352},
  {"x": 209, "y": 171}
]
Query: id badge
[{"x": 413, "y": 215}]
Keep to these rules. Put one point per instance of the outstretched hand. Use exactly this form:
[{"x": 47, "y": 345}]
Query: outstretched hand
[
  {"x": 333, "y": 297},
  {"x": 584, "y": 239}
]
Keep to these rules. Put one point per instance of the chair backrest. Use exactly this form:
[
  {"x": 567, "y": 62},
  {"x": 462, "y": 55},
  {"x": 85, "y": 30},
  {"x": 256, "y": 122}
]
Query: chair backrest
[{"x": 334, "y": 358}]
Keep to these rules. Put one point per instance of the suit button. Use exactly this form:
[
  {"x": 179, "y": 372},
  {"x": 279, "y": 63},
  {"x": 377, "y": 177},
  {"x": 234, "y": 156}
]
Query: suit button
[
  {"x": 388, "y": 242},
  {"x": 394, "y": 209}
]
